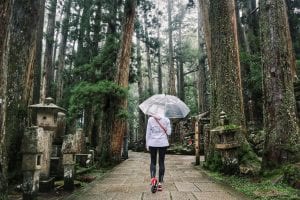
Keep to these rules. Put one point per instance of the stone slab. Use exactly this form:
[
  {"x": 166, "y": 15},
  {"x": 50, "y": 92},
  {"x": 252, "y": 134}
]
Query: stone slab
[
  {"x": 209, "y": 187},
  {"x": 176, "y": 195},
  {"x": 164, "y": 195},
  {"x": 214, "y": 196},
  {"x": 186, "y": 187}
]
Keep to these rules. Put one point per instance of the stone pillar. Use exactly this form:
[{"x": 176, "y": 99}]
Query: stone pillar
[
  {"x": 207, "y": 140},
  {"x": 32, "y": 147},
  {"x": 80, "y": 141},
  {"x": 197, "y": 142},
  {"x": 47, "y": 140},
  {"x": 69, "y": 151},
  {"x": 61, "y": 127},
  {"x": 125, "y": 147}
]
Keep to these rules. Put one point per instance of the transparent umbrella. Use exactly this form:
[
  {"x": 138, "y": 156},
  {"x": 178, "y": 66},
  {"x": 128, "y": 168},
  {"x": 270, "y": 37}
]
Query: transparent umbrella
[{"x": 164, "y": 105}]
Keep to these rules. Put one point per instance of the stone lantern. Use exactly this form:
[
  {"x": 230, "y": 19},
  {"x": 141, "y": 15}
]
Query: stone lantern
[
  {"x": 46, "y": 118},
  {"x": 32, "y": 149},
  {"x": 47, "y": 114},
  {"x": 226, "y": 142}
]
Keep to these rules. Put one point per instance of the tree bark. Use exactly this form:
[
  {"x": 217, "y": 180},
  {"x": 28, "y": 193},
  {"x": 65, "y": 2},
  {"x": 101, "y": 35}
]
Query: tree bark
[
  {"x": 159, "y": 65},
  {"x": 204, "y": 6},
  {"x": 97, "y": 28},
  {"x": 202, "y": 75},
  {"x": 226, "y": 89},
  {"x": 38, "y": 60},
  {"x": 141, "y": 120},
  {"x": 62, "y": 51},
  {"x": 147, "y": 44},
  {"x": 282, "y": 135},
  {"x": 122, "y": 76},
  {"x": 20, "y": 71},
  {"x": 180, "y": 64},
  {"x": 48, "y": 69},
  {"x": 172, "y": 71},
  {"x": 225, "y": 64},
  {"x": 5, "y": 13}
]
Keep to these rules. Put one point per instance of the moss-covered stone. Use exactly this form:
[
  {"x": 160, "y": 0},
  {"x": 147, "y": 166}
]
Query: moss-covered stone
[{"x": 292, "y": 175}]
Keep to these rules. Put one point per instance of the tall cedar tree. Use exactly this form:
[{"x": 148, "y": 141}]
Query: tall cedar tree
[
  {"x": 20, "y": 72},
  {"x": 282, "y": 137},
  {"x": 226, "y": 89},
  {"x": 122, "y": 77},
  {"x": 225, "y": 64}
]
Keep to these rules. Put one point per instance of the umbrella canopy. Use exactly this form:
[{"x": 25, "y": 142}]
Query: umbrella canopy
[{"x": 164, "y": 105}]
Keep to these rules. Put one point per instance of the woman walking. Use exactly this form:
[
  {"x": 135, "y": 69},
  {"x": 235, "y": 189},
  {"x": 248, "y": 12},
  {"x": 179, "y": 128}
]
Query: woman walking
[{"x": 158, "y": 129}]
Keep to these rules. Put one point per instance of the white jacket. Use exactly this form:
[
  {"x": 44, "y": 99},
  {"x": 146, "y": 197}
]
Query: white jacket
[{"x": 155, "y": 135}]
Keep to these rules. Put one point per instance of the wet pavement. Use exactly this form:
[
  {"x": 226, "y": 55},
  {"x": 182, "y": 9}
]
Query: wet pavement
[{"x": 130, "y": 180}]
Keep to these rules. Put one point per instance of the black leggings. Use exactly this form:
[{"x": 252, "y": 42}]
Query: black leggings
[{"x": 161, "y": 162}]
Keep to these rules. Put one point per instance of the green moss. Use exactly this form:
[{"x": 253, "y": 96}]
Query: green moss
[
  {"x": 231, "y": 126},
  {"x": 292, "y": 175},
  {"x": 248, "y": 158},
  {"x": 257, "y": 187},
  {"x": 214, "y": 162}
]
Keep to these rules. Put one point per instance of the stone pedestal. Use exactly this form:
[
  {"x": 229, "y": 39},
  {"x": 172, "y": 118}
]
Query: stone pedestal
[
  {"x": 227, "y": 144},
  {"x": 32, "y": 148},
  {"x": 46, "y": 185},
  {"x": 30, "y": 184},
  {"x": 69, "y": 171},
  {"x": 69, "y": 151}
]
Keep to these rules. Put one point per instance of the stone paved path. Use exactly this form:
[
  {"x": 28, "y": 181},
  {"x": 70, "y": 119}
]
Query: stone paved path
[{"x": 130, "y": 181}]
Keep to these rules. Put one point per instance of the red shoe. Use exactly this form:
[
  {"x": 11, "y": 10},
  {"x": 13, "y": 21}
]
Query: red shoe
[
  {"x": 154, "y": 185},
  {"x": 159, "y": 187}
]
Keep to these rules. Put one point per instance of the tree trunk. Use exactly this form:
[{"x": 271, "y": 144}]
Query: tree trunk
[
  {"x": 48, "y": 70},
  {"x": 202, "y": 77},
  {"x": 38, "y": 61},
  {"x": 279, "y": 103},
  {"x": 225, "y": 65},
  {"x": 97, "y": 28},
  {"x": 141, "y": 120},
  {"x": 172, "y": 71},
  {"x": 62, "y": 51},
  {"x": 5, "y": 13},
  {"x": 147, "y": 43},
  {"x": 20, "y": 71},
  {"x": 108, "y": 72},
  {"x": 204, "y": 6},
  {"x": 122, "y": 76},
  {"x": 159, "y": 65},
  {"x": 226, "y": 91},
  {"x": 180, "y": 64},
  {"x": 58, "y": 28}
]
